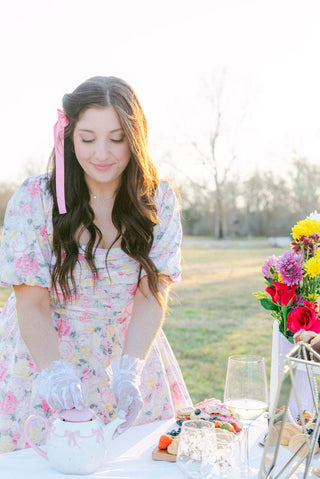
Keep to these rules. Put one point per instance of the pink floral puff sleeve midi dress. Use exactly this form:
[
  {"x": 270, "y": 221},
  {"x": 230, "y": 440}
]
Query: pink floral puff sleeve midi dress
[{"x": 92, "y": 326}]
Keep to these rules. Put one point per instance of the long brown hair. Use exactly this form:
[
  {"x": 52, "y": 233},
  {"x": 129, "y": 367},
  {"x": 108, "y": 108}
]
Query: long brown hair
[{"x": 134, "y": 212}]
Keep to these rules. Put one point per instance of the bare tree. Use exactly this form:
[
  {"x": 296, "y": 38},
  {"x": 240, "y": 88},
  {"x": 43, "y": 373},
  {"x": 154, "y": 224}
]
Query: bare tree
[{"x": 218, "y": 162}]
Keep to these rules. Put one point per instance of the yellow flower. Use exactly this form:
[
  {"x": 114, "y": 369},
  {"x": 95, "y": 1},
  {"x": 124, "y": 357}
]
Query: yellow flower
[
  {"x": 6, "y": 444},
  {"x": 22, "y": 368},
  {"x": 312, "y": 297},
  {"x": 74, "y": 359},
  {"x": 312, "y": 267},
  {"x": 116, "y": 350},
  {"x": 305, "y": 228},
  {"x": 149, "y": 383},
  {"x": 85, "y": 352},
  {"x": 108, "y": 409},
  {"x": 36, "y": 433},
  {"x": 89, "y": 328}
]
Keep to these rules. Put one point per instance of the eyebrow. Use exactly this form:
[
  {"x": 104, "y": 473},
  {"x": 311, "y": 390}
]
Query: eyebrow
[{"x": 91, "y": 131}]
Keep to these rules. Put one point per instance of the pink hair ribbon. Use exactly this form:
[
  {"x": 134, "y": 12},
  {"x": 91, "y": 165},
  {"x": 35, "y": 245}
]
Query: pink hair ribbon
[{"x": 59, "y": 154}]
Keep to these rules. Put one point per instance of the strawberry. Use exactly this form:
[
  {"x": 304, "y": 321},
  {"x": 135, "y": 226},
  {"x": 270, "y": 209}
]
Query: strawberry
[
  {"x": 236, "y": 427},
  {"x": 164, "y": 441}
]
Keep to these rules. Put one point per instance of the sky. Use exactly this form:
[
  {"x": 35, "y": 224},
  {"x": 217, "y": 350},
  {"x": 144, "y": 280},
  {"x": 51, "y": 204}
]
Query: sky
[{"x": 173, "y": 53}]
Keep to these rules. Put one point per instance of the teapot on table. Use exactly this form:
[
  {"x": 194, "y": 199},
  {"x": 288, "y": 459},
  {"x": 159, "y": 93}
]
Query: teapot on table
[{"x": 76, "y": 443}]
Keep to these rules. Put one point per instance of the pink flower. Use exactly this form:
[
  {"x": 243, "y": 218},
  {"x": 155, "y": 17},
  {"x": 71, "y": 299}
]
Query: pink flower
[
  {"x": 15, "y": 437},
  {"x": 176, "y": 391},
  {"x": 269, "y": 267},
  {"x": 3, "y": 371},
  {"x": 33, "y": 189},
  {"x": 27, "y": 266},
  {"x": 290, "y": 267},
  {"x": 25, "y": 208},
  {"x": 9, "y": 404},
  {"x": 132, "y": 289},
  {"x": 64, "y": 328},
  {"x": 44, "y": 234},
  {"x": 85, "y": 375},
  {"x": 45, "y": 406}
]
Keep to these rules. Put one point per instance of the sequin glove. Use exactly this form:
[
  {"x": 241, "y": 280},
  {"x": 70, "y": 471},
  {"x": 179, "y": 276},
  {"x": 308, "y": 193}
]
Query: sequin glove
[
  {"x": 125, "y": 382},
  {"x": 59, "y": 385}
]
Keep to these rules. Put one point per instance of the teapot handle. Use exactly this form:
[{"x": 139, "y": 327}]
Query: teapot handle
[{"x": 29, "y": 440}]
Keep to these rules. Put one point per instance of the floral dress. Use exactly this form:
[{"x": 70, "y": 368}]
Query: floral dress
[{"x": 92, "y": 326}]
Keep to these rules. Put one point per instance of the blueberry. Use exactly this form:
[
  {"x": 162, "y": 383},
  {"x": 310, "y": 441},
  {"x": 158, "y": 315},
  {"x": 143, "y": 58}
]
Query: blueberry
[
  {"x": 309, "y": 431},
  {"x": 173, "y": 433},
  {"x": 179, "y": 422},
  {"x": 197, "y": 412}
]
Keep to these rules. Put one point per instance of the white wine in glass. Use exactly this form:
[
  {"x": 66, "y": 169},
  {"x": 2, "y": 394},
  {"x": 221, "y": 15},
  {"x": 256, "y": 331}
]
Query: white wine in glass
[
  {"x": 246, "y": 396},
  {"x": 247, "y": 410}
]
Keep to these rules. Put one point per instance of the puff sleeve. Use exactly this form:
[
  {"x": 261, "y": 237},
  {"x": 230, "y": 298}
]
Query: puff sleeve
[
  {"x": 166, "y": 249},
  {"x": 25, "y": 252}
]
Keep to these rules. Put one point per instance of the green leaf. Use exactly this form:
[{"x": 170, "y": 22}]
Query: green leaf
[{"x": 268, "y": 304}]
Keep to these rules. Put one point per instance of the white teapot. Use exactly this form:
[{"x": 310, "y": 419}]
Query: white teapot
[{"x": 76, "y": 443}]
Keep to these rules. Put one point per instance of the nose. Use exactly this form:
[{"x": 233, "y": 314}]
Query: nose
[{"x": 102, "y": 152}]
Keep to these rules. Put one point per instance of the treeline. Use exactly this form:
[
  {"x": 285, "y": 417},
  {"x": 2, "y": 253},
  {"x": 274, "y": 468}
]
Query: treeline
[{"x": 264, "y": 204}]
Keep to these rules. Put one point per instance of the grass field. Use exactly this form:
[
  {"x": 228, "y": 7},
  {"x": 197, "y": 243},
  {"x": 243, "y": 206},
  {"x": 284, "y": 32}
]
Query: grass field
[{"x": 214, "y": 314}]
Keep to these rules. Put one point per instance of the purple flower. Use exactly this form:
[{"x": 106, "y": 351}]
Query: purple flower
[
  {"x": 290, "y": 268},
  {"x": 298, "y": 302},
  {"x": 269, "y": 267}
]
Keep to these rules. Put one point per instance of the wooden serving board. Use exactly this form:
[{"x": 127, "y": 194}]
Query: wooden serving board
[{"x": 163, "y": 455}]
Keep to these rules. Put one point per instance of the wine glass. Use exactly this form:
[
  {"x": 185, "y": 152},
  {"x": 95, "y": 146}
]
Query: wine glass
[{"x": 246, "y": 396}]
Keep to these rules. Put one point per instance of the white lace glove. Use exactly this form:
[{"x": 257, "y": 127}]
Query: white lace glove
[
  {"x": 59, "y": 385},
  {"x": 125, "y": 382}
]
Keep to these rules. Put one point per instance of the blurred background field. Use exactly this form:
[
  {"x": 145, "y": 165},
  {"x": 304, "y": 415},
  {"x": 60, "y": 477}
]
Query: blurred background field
[{"x": 214, "y": 314}]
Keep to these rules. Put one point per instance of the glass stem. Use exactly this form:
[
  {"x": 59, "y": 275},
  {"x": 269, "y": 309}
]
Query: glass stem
[{"x": 245, "y": 454}]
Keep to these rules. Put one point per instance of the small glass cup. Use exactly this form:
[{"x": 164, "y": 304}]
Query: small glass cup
[
  {"x": 195, "y": 436},
  {"x": 225, "y": 460}
]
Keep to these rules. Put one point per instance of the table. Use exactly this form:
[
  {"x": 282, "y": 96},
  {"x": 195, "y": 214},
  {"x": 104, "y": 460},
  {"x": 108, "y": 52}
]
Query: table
[{"x": 128, "y": 457}]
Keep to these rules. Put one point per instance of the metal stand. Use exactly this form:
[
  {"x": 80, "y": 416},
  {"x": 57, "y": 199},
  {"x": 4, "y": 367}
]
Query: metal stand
[{"x": 303, "y": 355}]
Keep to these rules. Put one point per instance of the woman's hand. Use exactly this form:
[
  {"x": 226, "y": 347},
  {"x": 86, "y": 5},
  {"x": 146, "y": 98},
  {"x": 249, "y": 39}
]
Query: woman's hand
[
  {"x": 125, "y": 383},
  {"x": 59, "y": 385}
]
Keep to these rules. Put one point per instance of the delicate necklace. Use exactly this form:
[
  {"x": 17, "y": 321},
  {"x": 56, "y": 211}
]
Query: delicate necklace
[{"x": 94, "y": 197}]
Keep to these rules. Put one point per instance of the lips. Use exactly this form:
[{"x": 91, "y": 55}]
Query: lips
[{"x": 103, "y": 167}]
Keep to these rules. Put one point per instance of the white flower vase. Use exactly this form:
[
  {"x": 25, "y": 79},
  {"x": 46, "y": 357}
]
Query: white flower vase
[{"x": 280, "y": 347}]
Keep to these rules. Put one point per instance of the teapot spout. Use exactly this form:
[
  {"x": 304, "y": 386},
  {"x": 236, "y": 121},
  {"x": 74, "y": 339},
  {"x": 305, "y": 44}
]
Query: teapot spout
[{"x": 110, "y": 428}]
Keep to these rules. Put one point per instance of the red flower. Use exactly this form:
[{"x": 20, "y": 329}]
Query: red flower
[
  {"x": 272, "y": 291},
  {"x": 282, "y": 293},
  {"x": 304, "y": 317}
]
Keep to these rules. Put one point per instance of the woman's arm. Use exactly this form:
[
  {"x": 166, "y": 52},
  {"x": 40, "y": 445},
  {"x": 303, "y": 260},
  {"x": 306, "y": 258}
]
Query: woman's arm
[
  {"x": 146, "y": 320},
  {"x": 36, "y": 325},
  {"x": 57, "y": 383}
]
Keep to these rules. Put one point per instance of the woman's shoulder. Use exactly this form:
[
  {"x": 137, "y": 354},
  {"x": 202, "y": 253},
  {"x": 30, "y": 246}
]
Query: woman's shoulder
[
  {"x": 165, "y": 194},
  {"x": 34, "y": 186},
  {"x": 34, "y": 191}
]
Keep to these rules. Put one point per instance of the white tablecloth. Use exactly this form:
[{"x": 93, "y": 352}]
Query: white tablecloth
[{"x": 128, "y": 457}]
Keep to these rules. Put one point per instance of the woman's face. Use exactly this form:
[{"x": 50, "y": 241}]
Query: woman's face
[{"x": 101, "y": 147}]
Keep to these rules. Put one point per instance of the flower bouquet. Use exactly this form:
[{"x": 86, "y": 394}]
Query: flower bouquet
[{"x": 293, "y": 281}]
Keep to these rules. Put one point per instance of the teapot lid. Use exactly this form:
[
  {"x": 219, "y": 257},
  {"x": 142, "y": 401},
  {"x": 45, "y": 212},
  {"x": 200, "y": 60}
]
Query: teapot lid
[{"x": 76, "y": 415}]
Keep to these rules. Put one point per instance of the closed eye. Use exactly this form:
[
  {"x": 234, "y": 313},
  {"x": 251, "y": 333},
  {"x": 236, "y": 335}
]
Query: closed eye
[
  {"x": 118, "y": 141},
  {"x": 87, "y": 141}
]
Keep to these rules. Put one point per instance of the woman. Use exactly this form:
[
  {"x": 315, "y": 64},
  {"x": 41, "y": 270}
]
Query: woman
[{"x": 91, "y": 250}]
